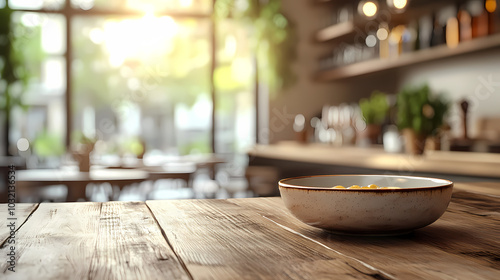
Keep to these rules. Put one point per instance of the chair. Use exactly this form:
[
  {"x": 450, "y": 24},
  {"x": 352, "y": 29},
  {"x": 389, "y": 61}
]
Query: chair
[{"x": 263, "y": 180}]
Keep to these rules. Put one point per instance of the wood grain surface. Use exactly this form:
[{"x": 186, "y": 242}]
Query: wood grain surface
[
  {"x": 250, "y": 238},
  {"x": 462, "y": 247},
  {"x": 21, "y": 214},
  {"x": 218, "y": 239},
  {"x": 93, "y": 241}
]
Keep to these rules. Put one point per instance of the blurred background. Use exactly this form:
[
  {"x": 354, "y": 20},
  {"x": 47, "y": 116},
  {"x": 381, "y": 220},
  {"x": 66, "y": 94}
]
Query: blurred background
[{"x": 159, "y": 81}]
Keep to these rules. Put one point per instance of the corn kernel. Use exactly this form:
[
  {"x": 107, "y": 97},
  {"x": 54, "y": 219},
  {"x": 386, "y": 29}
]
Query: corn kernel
[
  {"x": 338, "y": 187},
  {"x": 372, "y": 186},
  {"x": 354, "y": 187}
]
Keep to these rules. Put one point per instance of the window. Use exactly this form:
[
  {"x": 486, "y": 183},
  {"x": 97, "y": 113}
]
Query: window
[
  {"x": 39, "y": 41},
  {"x": 140, "y": 72}
]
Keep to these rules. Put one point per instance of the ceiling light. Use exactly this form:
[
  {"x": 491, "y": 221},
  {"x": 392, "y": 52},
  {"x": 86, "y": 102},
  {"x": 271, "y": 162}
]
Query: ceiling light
[
  {"x": 397, "y": 5},
  {"x": 368, "y": 8}
]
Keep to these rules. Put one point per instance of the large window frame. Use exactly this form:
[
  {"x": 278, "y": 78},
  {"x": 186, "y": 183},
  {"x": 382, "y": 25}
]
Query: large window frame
[{"x": 69, "y": 13}]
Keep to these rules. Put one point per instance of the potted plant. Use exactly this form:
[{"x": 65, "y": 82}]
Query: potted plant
[
  {"x": 82, "y": 149},
  {"x": 420, "y": 115},
  {"x": 374, "y": 111}
]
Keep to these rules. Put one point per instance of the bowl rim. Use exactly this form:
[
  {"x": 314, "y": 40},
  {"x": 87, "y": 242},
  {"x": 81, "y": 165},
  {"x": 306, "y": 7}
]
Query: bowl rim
[{"x": 282, "y": 183}]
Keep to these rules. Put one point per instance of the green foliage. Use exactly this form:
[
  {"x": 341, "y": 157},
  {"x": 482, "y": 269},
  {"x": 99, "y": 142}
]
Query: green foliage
[
  {"x": 12, "y": 73},
  {"x": 133, "y": 146},
  {"x": 273, "y": 38},
  {"x": 198, "y": 146},
  {"x": 375, "y": 108},
  {"x": 421, "y": 111},
  {"x": 48, "y": 145},
  {"x": 78, "y": 137}
]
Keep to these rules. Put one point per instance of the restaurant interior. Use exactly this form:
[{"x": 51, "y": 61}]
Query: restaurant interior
[{"x": 128, "y": 100}]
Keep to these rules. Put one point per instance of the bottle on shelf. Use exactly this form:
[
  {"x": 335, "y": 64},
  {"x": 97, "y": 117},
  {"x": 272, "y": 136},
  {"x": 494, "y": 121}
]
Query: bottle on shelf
[
  {"x": 491, "y": 7},
  {"x": 452, "y": 32},
  {"x": 345, "y": 13},
  {"x": 438, "y": 36},
  {"x": 425, "y": 25},
  {"x": 465, "y": 24},
  {"x": 409, "y": 37},
  {"x": 480, "y": 21},
  {"x": 395, "y": 41},
  {"x": 383, "y": 40}
]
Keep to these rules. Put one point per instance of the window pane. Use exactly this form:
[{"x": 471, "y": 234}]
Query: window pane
[
  {"x": 38, "y": 47},
  {"x": 234, "y": 81},
  {"x": 195, "y": 6},
  {"x": 36, "y": 4},
  {"x": 143, "y": 79}
]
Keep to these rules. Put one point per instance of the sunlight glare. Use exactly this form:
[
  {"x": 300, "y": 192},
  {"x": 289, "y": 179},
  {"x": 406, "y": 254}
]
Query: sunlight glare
[
  {"x": 96, "y": 36},
  {"x": 230, "y": 46},
  {"x": 186, "y": 3},
  {"x": 138, "y": 38},
  {"x": 241, "y": 69}
]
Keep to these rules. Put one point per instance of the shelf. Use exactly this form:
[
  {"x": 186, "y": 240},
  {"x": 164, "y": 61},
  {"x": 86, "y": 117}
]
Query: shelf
[
  {"x": 415, "y": 10},
  {"x": 335, "y": 31},
  {"x": 439, "y": 52}
]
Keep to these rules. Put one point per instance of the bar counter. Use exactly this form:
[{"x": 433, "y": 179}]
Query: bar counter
[{"x": 485, "y": 165}]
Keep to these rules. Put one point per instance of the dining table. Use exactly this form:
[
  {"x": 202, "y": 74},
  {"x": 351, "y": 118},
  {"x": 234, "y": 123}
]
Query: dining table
[
  {"x": 242, "y": 238},
  {"x": 77, "y": 181}
]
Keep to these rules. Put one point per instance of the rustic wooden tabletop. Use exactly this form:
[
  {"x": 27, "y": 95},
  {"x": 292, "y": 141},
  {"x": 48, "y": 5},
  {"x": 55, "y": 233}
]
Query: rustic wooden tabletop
[{"x": 254, "y": 238}]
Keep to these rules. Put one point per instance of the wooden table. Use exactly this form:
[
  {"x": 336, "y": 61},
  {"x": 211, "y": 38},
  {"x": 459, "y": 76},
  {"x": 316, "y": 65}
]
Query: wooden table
[
  {"x": 18, "y": 163},
  {"x": 77, "y": 181},
  {"x": 183, "y": 171},
  {"x": 249, "y": 238}
]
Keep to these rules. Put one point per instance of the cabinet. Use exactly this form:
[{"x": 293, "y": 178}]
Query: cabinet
[{"x": 353, "y": 31}]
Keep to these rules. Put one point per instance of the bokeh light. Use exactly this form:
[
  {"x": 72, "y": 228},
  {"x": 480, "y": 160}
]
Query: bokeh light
[{"x": 23, "y": 144}]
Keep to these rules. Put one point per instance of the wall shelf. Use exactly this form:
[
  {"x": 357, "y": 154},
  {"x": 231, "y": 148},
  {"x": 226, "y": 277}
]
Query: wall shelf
[
  {"x": 407, "y": 59},
  {"x": 335, "y": 31}
]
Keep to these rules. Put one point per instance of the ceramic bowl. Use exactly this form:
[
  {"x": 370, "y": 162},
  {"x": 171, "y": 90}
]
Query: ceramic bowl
[{"x": 417, "y": 203}]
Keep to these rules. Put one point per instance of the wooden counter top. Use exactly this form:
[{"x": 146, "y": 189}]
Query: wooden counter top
[
  {"x": 246, "y": 238},
  {"x": 458, "y": 163}
]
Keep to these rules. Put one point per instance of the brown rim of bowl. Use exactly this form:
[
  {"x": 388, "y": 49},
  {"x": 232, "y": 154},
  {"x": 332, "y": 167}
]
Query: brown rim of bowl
[{"x": 282, "y": 184}]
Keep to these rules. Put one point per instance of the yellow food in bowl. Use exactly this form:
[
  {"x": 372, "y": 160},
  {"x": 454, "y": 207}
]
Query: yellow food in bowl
[{"x": 371, "y": 186}]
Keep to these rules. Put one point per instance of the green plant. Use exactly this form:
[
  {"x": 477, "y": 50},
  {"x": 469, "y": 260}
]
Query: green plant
[
  {"x": 20, "y": 57},
  {"x": 133, "y": 146},
  {"x": 418, "y": 109},
  {"x": 48, "y": 145},
  {"x": 375, "y": 108},
  {"x": 273, "y": 37},
  {"x": 13, "y": 78}
]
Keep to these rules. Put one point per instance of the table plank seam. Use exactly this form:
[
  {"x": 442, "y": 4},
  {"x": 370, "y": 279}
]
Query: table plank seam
[
  {"x": 18, "y": 228},
  {"x": 378, "y": 274},
  {"x": 89, "y": 271},
  {"x": 181, "y": 261}
]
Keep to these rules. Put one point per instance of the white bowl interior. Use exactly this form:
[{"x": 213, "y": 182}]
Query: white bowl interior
[{"x": 364, "y": 180}]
